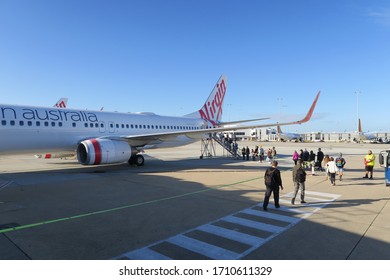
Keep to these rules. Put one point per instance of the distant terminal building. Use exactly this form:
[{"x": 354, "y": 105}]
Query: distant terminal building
[{"x": 271, "y": 134}]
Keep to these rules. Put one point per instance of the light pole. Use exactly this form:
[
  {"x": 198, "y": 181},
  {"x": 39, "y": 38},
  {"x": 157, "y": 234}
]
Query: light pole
[{"x": 279, "y": 99}]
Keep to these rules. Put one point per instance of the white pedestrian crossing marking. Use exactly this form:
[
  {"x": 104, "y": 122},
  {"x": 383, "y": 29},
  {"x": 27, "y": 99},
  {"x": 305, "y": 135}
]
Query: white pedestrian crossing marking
[
  {"x": 271, "y": 216},
  {"x": 203, "y": 248},
  {"x": 231, "y": 234},
  {"x": 252, "y": 224},
  {"x": 145, "y": 254},
  {"x": 248, "y": 228}
]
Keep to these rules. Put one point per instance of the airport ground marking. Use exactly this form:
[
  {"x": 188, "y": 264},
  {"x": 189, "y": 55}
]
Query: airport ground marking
[
  {"x": 37, "y": 224},
  {"x": 190, "y": 243}
]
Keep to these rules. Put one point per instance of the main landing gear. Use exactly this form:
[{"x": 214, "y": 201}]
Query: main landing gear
[{"x": 138, "y": 160}]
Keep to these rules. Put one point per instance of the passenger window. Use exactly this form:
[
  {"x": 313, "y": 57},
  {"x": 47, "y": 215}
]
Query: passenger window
[
  {"x": 12, "y": 123},
  {"x": 74, "y": 124},
  {"x": 38, "y": 123},
  {"x": 86, "y": 125},
  {"x": 60, "y": 124},
  {"x": 21, "y": 123},
  {"x": 29, "y": 123},
  {"x": 4, "y": 122},
  {"x": 46, "y": 123}
]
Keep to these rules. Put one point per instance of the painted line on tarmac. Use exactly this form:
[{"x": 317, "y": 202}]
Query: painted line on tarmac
[
  {"x": 235, "y": 236},
  {"x": 5, "y": 184},
  {"x": 5, "y": 230}
]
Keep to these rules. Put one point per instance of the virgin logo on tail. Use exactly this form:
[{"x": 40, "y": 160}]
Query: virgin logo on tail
[
  {"x": 212, "y": 109},
  {"x": 61, "y": 103}
]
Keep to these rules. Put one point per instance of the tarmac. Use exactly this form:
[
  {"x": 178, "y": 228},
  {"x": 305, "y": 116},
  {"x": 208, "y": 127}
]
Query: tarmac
[{"x": 181, "y": 207}]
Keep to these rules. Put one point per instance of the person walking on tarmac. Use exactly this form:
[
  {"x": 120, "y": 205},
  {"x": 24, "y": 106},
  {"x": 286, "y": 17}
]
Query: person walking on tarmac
[
  {"x": 272, "y": 180},
  {"x": 340, "y": 162},
  {"x": 332, "y": 169},
  {"x": 299, "y": 178},
  {"x": 369, "y": 163}
]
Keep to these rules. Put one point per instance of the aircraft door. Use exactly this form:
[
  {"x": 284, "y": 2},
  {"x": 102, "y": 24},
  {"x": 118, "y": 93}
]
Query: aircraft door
[
  {"x": 111, "y": 127},
  {"x": 102, "y": 127}
]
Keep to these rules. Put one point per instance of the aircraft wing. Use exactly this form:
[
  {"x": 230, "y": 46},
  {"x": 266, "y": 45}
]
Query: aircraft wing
[
  {"x": 243, "y": 121},
  {"x": 147, "y": 139}
]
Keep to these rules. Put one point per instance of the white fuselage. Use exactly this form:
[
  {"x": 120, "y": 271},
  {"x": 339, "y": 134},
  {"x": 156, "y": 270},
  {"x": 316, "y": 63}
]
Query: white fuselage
[
  {"x": 290, "y": 136},
  {"x": 38, "y": 129}
]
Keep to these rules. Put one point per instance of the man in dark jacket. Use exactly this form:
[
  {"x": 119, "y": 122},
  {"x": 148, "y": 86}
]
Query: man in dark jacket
[
  {"x": 272, "y": 181},
  {"x": 320, "y": 158},
  {"x": 299, "y": 178}
]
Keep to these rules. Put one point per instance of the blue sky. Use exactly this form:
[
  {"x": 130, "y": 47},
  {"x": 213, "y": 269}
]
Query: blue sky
[{"x": 165, "y": 57}]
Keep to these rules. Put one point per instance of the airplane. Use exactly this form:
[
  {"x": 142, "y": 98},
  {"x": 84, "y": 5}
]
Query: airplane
[
  {"x": 288, "y": 136},
  {"x": 365, "y": 136},
  {"x": 62, "y": 103},
  {"x": 100, "y": 137}
]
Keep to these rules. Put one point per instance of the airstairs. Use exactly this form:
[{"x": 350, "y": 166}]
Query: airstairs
[{"x": 208, "y": 147}]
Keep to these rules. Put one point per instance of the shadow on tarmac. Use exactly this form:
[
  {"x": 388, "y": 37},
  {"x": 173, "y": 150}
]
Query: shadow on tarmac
[{"x": 103, "y": 211}]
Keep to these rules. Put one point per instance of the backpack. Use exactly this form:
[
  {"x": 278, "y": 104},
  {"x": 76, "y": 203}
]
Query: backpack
[
  {"x": 300, "y": 175},
  {"x": 339, "y": 162},
  {"x": 269, "y": 178}
]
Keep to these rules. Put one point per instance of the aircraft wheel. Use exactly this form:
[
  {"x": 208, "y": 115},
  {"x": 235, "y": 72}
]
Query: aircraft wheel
[{"x": 139, "y": 160}]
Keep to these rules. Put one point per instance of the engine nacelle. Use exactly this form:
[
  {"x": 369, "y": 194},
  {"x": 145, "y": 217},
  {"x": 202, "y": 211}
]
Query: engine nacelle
[{"x": 101, "y": 151}]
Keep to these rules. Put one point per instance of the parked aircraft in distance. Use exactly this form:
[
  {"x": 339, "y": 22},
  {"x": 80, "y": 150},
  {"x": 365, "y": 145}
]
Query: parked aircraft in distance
[
  {"x": 365, "y": 136},
  {"x": 103, "y": 137},
  {"x": 288, "y": 136}
]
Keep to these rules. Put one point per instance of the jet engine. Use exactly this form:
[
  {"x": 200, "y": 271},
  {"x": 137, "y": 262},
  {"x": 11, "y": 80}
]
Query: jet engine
[{"x": 102, "y": 151}]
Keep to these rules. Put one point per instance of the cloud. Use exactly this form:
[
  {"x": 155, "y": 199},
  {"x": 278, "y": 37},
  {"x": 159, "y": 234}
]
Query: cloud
[{"x": 381, "y": 16}]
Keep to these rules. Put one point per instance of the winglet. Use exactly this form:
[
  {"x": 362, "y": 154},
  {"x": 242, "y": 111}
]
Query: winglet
[{"x": 311, "y": 110}]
